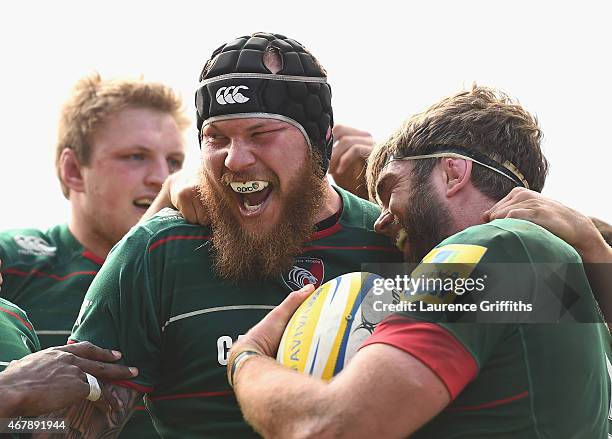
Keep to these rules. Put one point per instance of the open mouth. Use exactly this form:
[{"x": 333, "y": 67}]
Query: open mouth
[
  {"x": 143, "y": 203},
  {"x": 252, "y": 196}
]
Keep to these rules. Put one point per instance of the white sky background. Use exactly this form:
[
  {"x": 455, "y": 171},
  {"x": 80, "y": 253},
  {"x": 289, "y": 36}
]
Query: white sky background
[{"x": 386, "y": 60}]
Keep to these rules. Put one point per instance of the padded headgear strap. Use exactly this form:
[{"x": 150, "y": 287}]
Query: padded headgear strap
[
  {"x": 237, "y": 84},
  {"x": 506, "y": 169}
]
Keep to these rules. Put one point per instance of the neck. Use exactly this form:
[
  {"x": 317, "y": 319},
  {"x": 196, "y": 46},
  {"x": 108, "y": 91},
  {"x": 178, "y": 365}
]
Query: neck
[
  {"x": 88, "y": 237},
  {"x": 331, "y": 204},
  {"x": 469, "y": 211}
]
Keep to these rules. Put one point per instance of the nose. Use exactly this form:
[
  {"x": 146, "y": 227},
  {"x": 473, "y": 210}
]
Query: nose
[
  {"x": 386, "y": 224},
  {"x": 239, "y": 157},
  {"x": 157, "y": 174}
]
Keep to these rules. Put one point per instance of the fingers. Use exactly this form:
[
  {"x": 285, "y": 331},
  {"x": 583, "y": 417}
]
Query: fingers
[
  {"x": 188, "y": 210},
  {"x": 347, "y": 144},
  {"x": 516, "y": 195},
  {"x": 90, "y": 351},
  {"x": 307, "y": 289},
  {"x": 522, "y": 213},
  {"x": 502, "y": 211},
  {"x": 345, "y": 130},
  {"x": 201, "y": 216},
  {"x": 191, "y": 207},
  {"x": 106, "y": 371},
  {"x": 184, "y": 195},
  {"x": 95, "y": 360},
  {"x": 287, "y": 308},
  {"x": 357, "y": 154},
  {"x": 282, "y": 313}
]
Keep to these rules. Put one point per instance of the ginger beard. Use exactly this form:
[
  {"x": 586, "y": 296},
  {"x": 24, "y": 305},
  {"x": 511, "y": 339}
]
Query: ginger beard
[
  {"x": 426, "y": 219},
  {"x": 240, "y": 253}
]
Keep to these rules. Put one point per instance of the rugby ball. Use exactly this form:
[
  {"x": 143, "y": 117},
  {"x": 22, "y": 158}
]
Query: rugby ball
[{"x": 329, "y": 327}]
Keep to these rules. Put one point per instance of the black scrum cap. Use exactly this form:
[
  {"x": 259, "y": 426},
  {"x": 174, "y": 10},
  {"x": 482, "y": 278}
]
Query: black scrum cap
[{"x": 236, "y": 84}]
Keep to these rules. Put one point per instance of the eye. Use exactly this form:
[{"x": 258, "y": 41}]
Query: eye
[
  {"x": 135, "y": 156},
  {"x": 174, "y": 164},
  {"x": 267, "y": 132},
  {"x": 214, "y": 139}
]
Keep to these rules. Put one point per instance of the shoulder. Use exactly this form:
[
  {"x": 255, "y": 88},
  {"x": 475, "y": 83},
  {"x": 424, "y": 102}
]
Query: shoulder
[
  {"x": 28, "y": 244},
  {"x": 10, "y": 306},
  {"x": 17, "y": 336},
  {"x": 10, "y": 311},
  {"x": 519, "y": 240},
  {"x": 167, "y": 226},
  {"x": 357, "y": 212}
]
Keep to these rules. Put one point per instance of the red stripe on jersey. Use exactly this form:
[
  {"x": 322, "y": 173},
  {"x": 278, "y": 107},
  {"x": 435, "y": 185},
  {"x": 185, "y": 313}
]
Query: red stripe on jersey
[
  {"x": 487, "y": 405},
  {"x": 431, "y": 344},
  {"x": 191, "y": 395},
  {"x": 174, "y": 238},
  {"x": 89, "y": 255},
  {"x": 48, "y": 275},
  {"x": 326, "y": 232},
  {"x": 355, "y": 247},
  {"x": 11, "y": 313},
  {"x": 140, "y": 408},
  {"x": 131, "y": 385}
]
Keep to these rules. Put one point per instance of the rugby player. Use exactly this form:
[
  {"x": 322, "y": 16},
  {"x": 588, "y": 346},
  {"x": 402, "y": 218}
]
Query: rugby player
[
  {"x": 423, "y": 375},
  {"x": 118, "y": 141},
  {"x": 173, "y": 296},
  {"x": 33, "y": 382}
]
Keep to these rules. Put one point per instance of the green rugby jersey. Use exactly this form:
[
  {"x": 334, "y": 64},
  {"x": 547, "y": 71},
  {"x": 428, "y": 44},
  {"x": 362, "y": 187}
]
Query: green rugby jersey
[
  {"x": 512, "y": 380},
  {"x": 47, "y": 274},
  {"x": 158, "y": 301},
  {"x": 17, "y": 336}
]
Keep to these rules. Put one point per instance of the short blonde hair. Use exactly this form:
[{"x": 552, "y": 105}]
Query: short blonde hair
[{"x": 93, "y": 99}]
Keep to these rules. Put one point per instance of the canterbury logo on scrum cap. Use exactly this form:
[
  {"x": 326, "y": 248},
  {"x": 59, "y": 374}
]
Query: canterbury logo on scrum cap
[{"x": 231, "y": 95}]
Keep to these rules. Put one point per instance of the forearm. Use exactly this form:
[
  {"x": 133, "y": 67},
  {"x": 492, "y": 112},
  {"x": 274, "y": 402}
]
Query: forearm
[
  {"x": 94, "y": 420},
  {"x": 598, "y": 267},
  {"x": 11, "y": 400},
  {"x": 281, "y": 403}
]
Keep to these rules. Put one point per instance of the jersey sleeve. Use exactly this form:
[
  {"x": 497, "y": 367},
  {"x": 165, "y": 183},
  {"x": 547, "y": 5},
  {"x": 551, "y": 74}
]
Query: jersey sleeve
[
  {"x": 22, "y": 251},
  {"x": 121, "y": 310},
  {"x": 7, "y": 258},
  {"x": 17, "y": 336}
]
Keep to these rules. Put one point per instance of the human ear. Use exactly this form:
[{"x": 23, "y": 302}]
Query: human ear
[
  {"x": 458, "y": 173},
  {"x": 70, "y": 170}
]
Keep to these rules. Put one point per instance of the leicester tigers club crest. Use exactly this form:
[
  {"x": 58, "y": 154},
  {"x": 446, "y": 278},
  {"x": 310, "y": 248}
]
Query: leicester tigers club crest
[{"x": 304, "y": 271}]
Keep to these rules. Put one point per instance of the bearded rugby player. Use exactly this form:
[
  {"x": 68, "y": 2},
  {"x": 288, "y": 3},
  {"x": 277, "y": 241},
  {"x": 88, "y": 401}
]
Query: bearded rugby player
[
  {"x": 118, "y": 141},
  {"x": 421, "y": 374},
  {"x": 173, "y": 297}
]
